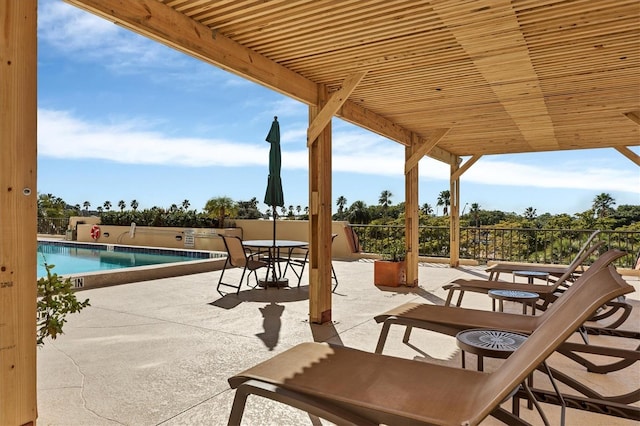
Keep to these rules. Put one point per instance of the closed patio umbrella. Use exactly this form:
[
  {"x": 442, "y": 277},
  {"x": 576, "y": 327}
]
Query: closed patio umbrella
[{"x": 274, "y": 196}]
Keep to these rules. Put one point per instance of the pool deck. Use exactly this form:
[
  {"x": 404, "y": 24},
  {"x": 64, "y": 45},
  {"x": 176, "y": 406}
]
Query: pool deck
[{"x": 159, "y": 352}]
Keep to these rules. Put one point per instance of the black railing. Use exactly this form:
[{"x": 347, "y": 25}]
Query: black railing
[
  {"x": 504, "y": 244},
  {"x": 52, "y": 226}
]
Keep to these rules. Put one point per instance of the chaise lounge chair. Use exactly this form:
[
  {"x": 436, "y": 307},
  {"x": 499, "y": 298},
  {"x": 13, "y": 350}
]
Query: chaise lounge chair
[
  {"x": 547, "y": 293},
  {"x": 576, "y": 264},
  {"x": 451, "y": 320},
  {"x": 345, "y": 385}
]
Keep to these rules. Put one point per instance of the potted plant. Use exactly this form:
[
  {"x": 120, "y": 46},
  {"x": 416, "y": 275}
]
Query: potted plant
[{"x": 391, "y": 271}]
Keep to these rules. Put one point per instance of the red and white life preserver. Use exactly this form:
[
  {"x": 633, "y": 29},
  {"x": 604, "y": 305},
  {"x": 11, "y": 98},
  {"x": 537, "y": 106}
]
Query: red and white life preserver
[{"x": 95, "y": 232}]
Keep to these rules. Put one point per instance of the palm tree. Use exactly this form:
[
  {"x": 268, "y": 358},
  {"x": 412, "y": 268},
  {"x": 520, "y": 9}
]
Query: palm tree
[
  {"x": 107, "y": 205},
  {"x": 530, "y": 213},
  {"x": 220, "y": 207},
  {"x": 474, "y": 211},
  {"x": 427, "y": 209},
  {"x": 358, "y": 213},
  {"x": 86, "y": 206},
  {"x": 122, "y": 205},
  {"x": 283, "y": 209},
  {"x": 298, "y": 209},
  {"x": 185, "y": 204},
  {"x": 602, "y": 204},
  {"x": 385, "y": 201},
  {"x": 134, "y": 205},
  {"x": 444, "y": 199},
  {"x": 341, "y": 202}
]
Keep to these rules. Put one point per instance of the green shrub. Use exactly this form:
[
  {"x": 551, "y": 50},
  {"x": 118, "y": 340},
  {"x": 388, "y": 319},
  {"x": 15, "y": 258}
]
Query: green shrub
[{"x": 56, "y": 299}]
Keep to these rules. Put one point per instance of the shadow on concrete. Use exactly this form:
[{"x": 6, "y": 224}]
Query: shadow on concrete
[
  {"x": 271, "y": 322},
  {"x": 475, "y": 272},
  {"x": 418, "y": 291},
  {"x": 269, "y": 295}
]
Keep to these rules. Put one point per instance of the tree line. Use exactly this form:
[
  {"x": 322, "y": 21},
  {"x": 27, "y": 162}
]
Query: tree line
[{"x": 221, "y": 211}]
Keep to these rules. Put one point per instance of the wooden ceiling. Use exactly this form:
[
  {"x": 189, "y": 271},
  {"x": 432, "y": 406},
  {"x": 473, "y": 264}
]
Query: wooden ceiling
[{"x": 492, "y": 76}]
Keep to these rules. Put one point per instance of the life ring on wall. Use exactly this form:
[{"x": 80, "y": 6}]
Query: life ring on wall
[{"x": 95, "y": 232}]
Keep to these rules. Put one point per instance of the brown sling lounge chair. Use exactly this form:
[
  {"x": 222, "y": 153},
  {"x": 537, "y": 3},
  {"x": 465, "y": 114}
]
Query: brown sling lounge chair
[
  {"x": 346, "y": 385},
  {"x": 451, "y": 320},
  {"x": 575, "y": 266},
  {"x": 547, "y": 293}
]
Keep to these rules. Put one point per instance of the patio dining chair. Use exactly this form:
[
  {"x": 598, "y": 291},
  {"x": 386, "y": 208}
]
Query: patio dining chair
[
  {"x": 345, "y": 385},
  {"x": 239, "y": 256}
]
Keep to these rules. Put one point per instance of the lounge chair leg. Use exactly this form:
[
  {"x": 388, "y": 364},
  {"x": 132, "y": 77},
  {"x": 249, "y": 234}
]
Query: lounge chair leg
[
  {"x": 237, "y": 410},
  {"x": 383, "y": 337},
  {"x": 407, "y": 334}
]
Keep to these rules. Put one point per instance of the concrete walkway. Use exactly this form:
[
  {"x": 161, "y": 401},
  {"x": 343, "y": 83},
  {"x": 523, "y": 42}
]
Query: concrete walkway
[{"x": 160, "y": 352}]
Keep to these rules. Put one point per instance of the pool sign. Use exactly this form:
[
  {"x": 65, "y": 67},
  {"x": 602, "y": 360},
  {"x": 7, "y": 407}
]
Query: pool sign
[{"x": 189, "y": 238}]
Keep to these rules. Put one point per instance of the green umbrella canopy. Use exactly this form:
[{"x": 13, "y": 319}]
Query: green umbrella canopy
[{"x": 274, "y": 195}]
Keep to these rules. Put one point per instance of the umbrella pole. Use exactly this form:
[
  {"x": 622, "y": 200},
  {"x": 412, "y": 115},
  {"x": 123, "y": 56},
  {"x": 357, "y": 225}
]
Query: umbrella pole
[{"x": 274, "y": 280}]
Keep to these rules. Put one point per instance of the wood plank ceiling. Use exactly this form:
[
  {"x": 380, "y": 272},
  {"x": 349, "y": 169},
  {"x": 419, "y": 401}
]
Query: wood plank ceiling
[{"x": 505, "y": 76}]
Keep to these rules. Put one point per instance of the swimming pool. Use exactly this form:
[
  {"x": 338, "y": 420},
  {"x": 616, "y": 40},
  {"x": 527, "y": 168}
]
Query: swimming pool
[{"x": 81, "y": 259}]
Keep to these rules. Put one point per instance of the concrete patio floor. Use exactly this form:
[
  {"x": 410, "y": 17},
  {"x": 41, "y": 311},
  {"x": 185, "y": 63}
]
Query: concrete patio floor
[{"x": 160, "y": 352}]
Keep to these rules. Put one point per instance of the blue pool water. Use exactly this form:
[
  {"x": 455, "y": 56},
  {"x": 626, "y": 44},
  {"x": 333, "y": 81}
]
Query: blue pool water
[{"x": 72, "y": 258}]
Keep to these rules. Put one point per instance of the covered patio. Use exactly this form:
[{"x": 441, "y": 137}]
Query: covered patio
[
  {"x": 453, "y": 81},
  {"x": 160, "y": 352}
]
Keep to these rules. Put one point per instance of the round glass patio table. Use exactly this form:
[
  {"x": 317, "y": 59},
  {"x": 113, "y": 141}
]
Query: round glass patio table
[{"x": 275, "y": 276}]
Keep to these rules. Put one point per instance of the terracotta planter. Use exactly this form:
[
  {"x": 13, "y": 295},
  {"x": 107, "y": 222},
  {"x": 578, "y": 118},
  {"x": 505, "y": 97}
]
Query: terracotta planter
[{"x": 389, "y": 274}]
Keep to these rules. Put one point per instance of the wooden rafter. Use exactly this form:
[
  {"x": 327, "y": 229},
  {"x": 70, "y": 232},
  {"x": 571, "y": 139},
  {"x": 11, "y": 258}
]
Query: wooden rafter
[
  {"x": 501, "y": 55},
  {"x": 464, "y": 167},
  {"x": 629, "y": 154},
  {"x": 424, "y": 147},
  {"x": 166, "y": 25},
  {"x": 331, "y": 108}
]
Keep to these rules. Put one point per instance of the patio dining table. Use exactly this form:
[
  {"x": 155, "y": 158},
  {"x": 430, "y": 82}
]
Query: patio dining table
[{"x": 277, "y": 251}]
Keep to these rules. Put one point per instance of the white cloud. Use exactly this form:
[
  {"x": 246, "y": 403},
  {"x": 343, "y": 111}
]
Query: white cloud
[{"x": 61, "y": 135}]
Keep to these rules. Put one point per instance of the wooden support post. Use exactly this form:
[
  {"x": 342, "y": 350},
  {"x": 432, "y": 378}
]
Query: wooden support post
[
  {"x": 320, "y": 218},
  {"x": 454, "y": 217},
  {"x": 18, "y": 211},
  {"x": 412, "y": 216}
]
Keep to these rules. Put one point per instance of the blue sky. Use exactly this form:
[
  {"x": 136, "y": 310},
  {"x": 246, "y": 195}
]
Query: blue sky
[{"x": 121, "y": 118}]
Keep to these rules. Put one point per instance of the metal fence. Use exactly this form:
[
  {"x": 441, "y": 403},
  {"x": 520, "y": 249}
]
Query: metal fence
[
  {"x": 504, "y": 244},
  {"x": 52, "y": 226}
]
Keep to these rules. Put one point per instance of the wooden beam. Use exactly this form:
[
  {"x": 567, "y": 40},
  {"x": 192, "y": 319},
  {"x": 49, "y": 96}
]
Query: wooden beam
[
  {"x": 359, "y": 116},
  {"x": 320, "y": 219},
  {"x": 454, "y": 217},
  {"x": 633, "y": 116},
  {"x": 629, "y": 154},
  {"x": 423, "y": 148},
  {"x": 18, "y": 211},
  {"x": 470, "y": 162},
  {"x": 162, "y": 23},
  {"x": 335, "y": 103},
  {"x": 412, "y": 217}
]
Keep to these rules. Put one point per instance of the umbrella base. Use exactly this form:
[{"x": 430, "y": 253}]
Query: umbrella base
[{"x": 280, "y": 282}]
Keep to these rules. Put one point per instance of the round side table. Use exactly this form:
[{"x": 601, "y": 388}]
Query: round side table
[
  {"x": 487, "y": 342},
  {"x": 500, "y": 344},
  {"x": 524, "y": 297}
]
